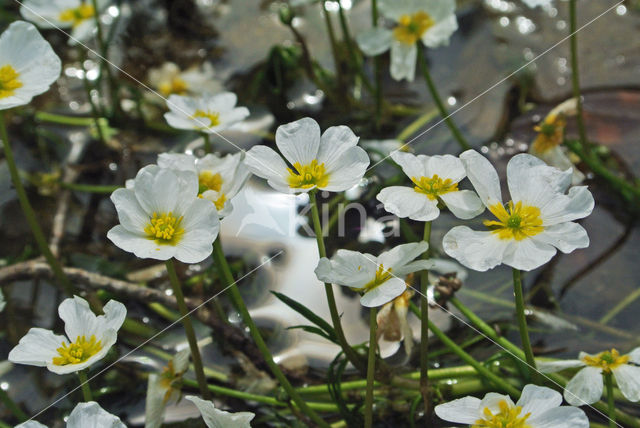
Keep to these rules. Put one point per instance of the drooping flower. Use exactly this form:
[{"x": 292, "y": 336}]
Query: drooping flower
[
  {"x": 85, "y": 415},
  {"x": 162, "y": 217},
  {"x": 538, "y": 407},
  {"x": 380, "y": 279},
  {"x": 219, "y": 179},
  {"x": 215, "y": 418},
  {"x": 530, "y": 228},
  {"x": 435, "y": 180},
  {"x": 430, "y": 21},
  {"x": 331, "y": 162},
  {"x": 205, "y": 113},
  {"x": 78, "y": 15},
  {"x": 28, "y": 65},
  {"x": 88, "y": 338},
  {"x": 163, "y": 387},
  {"x": 587, "y": 385},
  {"x": 392, "y": 321},
  {"x": 170, "y": 80}
]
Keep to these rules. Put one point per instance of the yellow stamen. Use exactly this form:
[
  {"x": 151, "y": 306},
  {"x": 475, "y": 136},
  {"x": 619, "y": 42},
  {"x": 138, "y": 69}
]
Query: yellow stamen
[
  {"x": 174, "y": 86},
  {"x": 508, "y": 417},
  {"x": 382, "y": 275},
  {"x": 307, "y": 176},
  {"x": 8, "y": 81},
  {"x": 219, "y": 203},
  {"x": 164, "y": 228},
  {"x": 410, "y": 28},
  {"x": 209, "y": 181},
  {"x": 519, "y": 222},
  {"x": 550, "y": 133},
  {"x": 607, "y": 360},
  {"x": 77, "y": 352},
  {"x": 213, "y": 117},
  {"x": 434, "y": 186},
  {"x": 78, "y": 14}
]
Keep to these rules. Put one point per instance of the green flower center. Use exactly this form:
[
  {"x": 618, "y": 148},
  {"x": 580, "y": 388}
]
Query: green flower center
[
  {"x": 164, "y": 228},
  {"x": 607, "y": 360},
  {"x": 517, "y": 221}
]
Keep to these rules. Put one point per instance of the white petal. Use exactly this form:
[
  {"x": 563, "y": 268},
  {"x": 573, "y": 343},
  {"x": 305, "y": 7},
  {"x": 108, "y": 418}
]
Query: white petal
[
  {"x": 383, "y": 293},
  {"x": 464, "y": 204},
  {"x": 394, "y": 9},
  {"x": 179, "y": 161},
  {"x": 374, "y": 41},
  {"x": 585, "y": 387},
  {"x": 578, "y": 203},
  {"x": 438, "y": 9},
  {"x": 560, "y": 417},
  {"x": 416, "y": 266},
  {"x": 31, "y": 424},
  {"x": 346, "y": 267},
  {"x": 628, "y": 379},
  {"x": 476, "y": 250},
  {"x": 91, "y": 415},
  {"x": 299, "y": 141},
  {"x": 527, "y": 254},
  {"x": 114, "y": 315},
  {"x": 462, "y": 411},
  {"x": 403, "y": 60},
  {"x": 634, "y": 355},
  {"x": 412, "y": 166},
  {"x": 400, "y": 255},
  {"x": 215, "y": 418},
  {"x": 157, "y": 189},
  {"x": 266, "y": 163},
  {"x": 559, "y": 365},
  {"x": 222, "y": 102},
  {"x": 154, "y": 402},
  {"x": 130, "y": 213},
  {"x": 201, "y": 225},
  {"x": 406, "y": 202},
  {"x": 483, "y": 176},
  {"x": 533, "y": 182},
  {"x": 37, "y": 348},
  {"x": 445, "y": 166},
  {"x": 347, "y": 171},
  {"x": 141, "y": 246},
  {"x": 564, "y": 236},
  {"x": 181, "y": 360},
  {"x": 440, "y": 33},
  {"x": 78, "y": 318},
  {"x": 334, "y": 143},
  {"x": 492, "y": 399},
  {"x": 537, "y": 399}
]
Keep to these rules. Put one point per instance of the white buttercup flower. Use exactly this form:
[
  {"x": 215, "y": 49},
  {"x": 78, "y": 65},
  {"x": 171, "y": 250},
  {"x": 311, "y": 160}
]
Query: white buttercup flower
[
  {"x": 215, "y": 418},
  {"x": 436, "y": 181},
  {"x": 85, "y": 415},
  {"x": 380, "y": 279},
  {"x": 538, "y": 407},
  {"x": 169, "y": 79},
  {"x": 88, "y": 338},
  {"x": 587, "y": 385},
  {"x": 78, "y": 15},
  {"x": 430, "y": 21},
  {"x": 206, "y": 113},
  {"x": 331, "y": 162},
  {"x": 528, "y": 230},
  {"x": 162, "y": 217},
  {"x": 28, "y": 65},
  {"x": 219, "y": 178},
  {"x": 161, "y": 388}
]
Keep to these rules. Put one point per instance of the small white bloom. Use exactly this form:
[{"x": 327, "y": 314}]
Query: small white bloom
[
  {"x": 392, "y": 321},
  {"x": 169, "y": 79},
  {"x": 161, "y": 388},
  {"x": 28, "y": 65},
  {"x": 205, "y": 113},
  {"x": 162, "y": 217},
  {"x": 215, "y": 418},
  {"x": 331, "y": 162},
  {"x": 219, "y": 179},
  {"x": 430, "y": 21},
  {"x": 380, "y": 279},
  {"x": 587, "y": 385},
  {"x": 75, "y": 14},
  {"x": 85, "y": 415},
  {"x": 436, "y": 181},
  {"x": 88, "y": 338},
  {"x": 538, "y": 407},
  {"x": 528, "y": 230}
]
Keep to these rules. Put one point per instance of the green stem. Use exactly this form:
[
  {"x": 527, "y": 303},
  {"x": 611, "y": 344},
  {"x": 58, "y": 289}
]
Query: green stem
[
  {"x": 30, "y": 214},
  {"x": 207, "y": 142},
  {"x": 333, "y": 42},
  {"x": 608, "y": 381},
  {"x": 90, "y": 188},
  {"x": 12, "y": 406},
  {"x": 575, "y": 74},
  {"x": 417, "y": 124},
  {"x": 188, "y": 328},
  {"x": 424, "y": 325},
  {"x": 630, "y": 298},
  {"x": 238, "y": 303},
  {"x": 355, "y": 59},
  {"x": 371, "y": 369},
  {"x": 333, "y": 309},
  {"x": 84, "y": 384},
  {"x": 64, "y": 120},
  {"x": 87, "y": 88},
  {"x": 522, "y": 323},
  {"x": 104, "y": 63},
  {"x": 377, "y": 63},
  {"x": 464, "y": 145}
]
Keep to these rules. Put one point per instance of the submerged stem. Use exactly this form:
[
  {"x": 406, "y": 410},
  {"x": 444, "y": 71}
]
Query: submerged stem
[
  {"x": 207, "y": 143},
  {"x": 522, "y": 323},
  {"x": 424, "y": 325},
  {"x": 371, "y": 369},
  {"x": 84, "y": 384},
  {"x": 12, "y": 406},
  {"x": 575, "y": 74},
  {"x": 377, "y": 63}
]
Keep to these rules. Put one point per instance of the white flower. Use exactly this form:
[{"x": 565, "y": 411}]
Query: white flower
[
  {"x": 430, "y": 21},
  {"x": 219, "y": 179},
  {"x": 587, "y": 385},
  {"x": 528, "y": 230},
  {"x": 206, "y": 113},
  {"x": 75, "y": 14},
  {"x": 329, "y": 162},
  {"x": 392, "y": 321},
  {"x": 85, "y": 415},
  {"x": 169, "y": 79},
  {"x": 380, "y": 279},
  {"x": 215, "y": 418},
  {"x": 161, "y": 388},
  {"x": 436, "y": 181},
  {"x": 28, "y": 65},
  {"x": 538, "y": 407},
  {"x": 88, "y": 338},
  {"x": 162, "y": 217}
]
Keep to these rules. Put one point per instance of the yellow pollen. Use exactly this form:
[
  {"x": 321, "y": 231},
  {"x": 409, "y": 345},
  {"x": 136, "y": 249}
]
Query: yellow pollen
[
  {"x": 209, "y": 181},
  {"x": 164, "y": 228},
  {"x": 8, "y": 81},
  {"x": 174, "y": 86},
  {"x": 508, "y": 417},
  {"x": 77, "y": 352},
  {"x": 519, "y": 222},
  {"x": 307, "y": 176},
  {"x": 382, "y": 275},
  {"x": 213, "y": 117},
  {"x": 78, "y": 14},
  {"x": 550, "y": 133},
  {"x": 219, "y": 203},
  {"x": 434, "y": 186},
  {"x": 410, "y": 28},
  {"x": 607, "y": 360}
]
